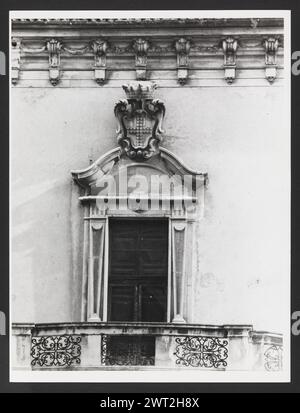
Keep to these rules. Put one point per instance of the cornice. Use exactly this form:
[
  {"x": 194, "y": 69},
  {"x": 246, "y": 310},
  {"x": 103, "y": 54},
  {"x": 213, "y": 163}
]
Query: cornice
[
  {"x": 155, "y": 28},
  {"x": 146, "y": 46}
]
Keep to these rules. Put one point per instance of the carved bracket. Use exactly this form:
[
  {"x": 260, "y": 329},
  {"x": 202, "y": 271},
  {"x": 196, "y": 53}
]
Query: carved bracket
[
  {"x": 99, "y": 48},
  {"x": 15, "y": 60},
  {"x": 54, "y": 49},
  {"x": 182, "y": 47},
  {"x": 140, "y": 47},
  {"x": 229, "y": 47},
  {"x": 271, "y": 47}
]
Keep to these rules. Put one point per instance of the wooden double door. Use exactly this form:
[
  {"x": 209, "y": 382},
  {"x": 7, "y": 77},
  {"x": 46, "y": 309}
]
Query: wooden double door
[{"x": 138, "y": 270}]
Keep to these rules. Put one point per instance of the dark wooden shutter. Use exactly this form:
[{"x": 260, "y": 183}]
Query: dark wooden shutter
[{"x": 138, "y": 270}]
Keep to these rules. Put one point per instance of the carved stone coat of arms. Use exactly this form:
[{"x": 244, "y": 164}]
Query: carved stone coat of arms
[{"x": 140, "y": 121}]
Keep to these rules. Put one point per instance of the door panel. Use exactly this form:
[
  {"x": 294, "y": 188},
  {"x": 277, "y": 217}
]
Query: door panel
[
  {"x": 122, "y": 303},
  {"x": 153, "y": 302},
  {"x": 138, "y": 270}
]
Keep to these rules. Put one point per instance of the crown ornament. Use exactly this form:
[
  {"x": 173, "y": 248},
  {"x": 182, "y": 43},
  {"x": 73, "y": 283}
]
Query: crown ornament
[
  {"x": 140, "y": 90},
  {"x": 139, "y": 119}
]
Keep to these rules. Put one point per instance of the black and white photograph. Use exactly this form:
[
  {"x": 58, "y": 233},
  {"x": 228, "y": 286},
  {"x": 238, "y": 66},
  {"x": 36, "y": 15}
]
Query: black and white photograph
[{"x": 150, "y": 196}]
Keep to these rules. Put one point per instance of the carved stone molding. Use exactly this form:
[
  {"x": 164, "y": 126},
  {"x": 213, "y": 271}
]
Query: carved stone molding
[
  {"x": 179, "y": 251},
  {"x": 107, "y": 193},
  {"x": 152, "y": 22},
  {"x": 191, "y": 55},
  {"x": 271, "y": 48},
  {"x": 205, "y": 352},
  {"x": 229, "y": 46},
  {"x": 182, "y": 47},
  {"x": 54, "y": 48},
  {"x": 55, "y": 351},
  {"x": 76, "y": 52},
  {"x": 140, "y": 121},
  {"x": 95, "y": 287},
  {"x": 99, "y": 48},
  {"x": 140, "y": 47},
  {"x": 15, "y": 60}
]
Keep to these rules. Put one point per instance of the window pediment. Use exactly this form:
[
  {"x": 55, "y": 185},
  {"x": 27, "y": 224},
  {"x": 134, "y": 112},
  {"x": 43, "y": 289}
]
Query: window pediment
[
  {"x": 139, "y": 136},
  {"x": 112, "y": 165}
]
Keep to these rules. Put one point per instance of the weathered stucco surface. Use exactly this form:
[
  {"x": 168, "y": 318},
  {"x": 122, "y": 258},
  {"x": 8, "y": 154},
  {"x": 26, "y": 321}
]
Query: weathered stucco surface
[{"x": 236, "y": 134}]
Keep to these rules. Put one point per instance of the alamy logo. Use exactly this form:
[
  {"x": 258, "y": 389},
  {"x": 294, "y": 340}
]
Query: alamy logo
[
  {"x": 139, "y": 193},
  {"x": 296, "y": 64},
  {"x": 296, "y": 323}
]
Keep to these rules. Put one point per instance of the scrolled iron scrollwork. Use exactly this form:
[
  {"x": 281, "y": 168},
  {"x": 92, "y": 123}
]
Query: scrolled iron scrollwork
[
  {"x": 55, "y": 351},
  {"x": 207, "y": 352},
  {"x": 103, "y": 348}
]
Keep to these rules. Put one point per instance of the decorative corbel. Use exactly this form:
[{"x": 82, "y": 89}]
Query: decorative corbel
[
  {"x": 99, "y": 48},
  {"x": 140, "y": 47},
  {"x": 182, "y": 47},
  {"x": 229, "y": 47},
  {"x": 271, "y": 47},
  {"x": 54, "y": 49},
  {"x": 15, "y": 60}
]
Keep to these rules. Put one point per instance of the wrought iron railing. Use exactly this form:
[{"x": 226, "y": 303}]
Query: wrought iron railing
[{"x": 137, "y": 350}]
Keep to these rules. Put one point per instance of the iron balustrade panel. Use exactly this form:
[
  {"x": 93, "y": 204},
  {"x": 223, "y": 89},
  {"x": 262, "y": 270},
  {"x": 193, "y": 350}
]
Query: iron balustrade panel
[
  {"x": 55, "y": 350},
  {"x": 274, "y": 358},
  {"x": 205, "y": 352}
]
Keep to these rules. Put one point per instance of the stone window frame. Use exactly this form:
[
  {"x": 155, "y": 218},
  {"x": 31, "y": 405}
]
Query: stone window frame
[{"x": 95, "y": 271}]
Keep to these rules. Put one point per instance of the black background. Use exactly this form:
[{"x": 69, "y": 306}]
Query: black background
[{"x": 104, "y": 388}]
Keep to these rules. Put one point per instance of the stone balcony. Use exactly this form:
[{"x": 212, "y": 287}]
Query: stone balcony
[{"x": 143, "y": 346}]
